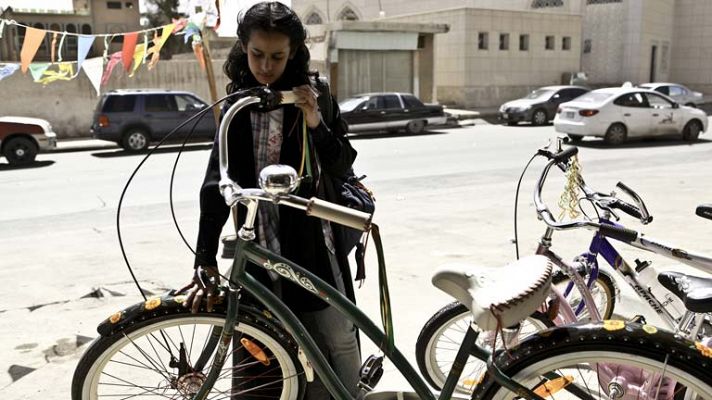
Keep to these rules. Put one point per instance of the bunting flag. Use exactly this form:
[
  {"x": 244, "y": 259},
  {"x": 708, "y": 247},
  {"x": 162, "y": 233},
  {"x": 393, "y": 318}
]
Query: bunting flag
[
  {"x": 37, "y": 69},
  {"x": 93, "y": 68},
  {"x": 158, "y": 44},
  {"x": 33, "y": 40},
  {"x": 198, "y": 51},
  {"x": 127, "y": 51},
  {"x": 7, "y": 70},
  {"x": 57, "y": 72},
  {"x": 138, "y": 57},
  {"x": 83, "y": 47},
  {"x": 132, "y": 54},
  {"x": 113, "y": 60}
]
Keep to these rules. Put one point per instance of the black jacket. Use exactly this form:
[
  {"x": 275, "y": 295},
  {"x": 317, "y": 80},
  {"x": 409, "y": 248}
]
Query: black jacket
[{"x": 301, "y": 237}]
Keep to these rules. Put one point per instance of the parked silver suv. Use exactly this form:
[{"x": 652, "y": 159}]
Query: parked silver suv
[{"x": 135, "y": 117}]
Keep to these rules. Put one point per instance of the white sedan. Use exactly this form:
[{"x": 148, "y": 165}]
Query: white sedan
[{"x": 619, "y": 113}]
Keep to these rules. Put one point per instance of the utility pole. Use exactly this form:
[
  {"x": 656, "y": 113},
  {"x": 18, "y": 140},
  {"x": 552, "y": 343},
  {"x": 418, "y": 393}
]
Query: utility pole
[{"x": 210, "y": 74}]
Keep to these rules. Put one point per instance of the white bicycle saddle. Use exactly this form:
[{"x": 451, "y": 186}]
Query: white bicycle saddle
[{"x": 510, "y": 293}]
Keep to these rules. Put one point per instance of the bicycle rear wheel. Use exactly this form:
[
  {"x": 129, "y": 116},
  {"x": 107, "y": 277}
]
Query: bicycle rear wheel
[
  {"x": 156, "y": 358},
  {"x": 442, "y": 335},
  {"x": 609, "y": 360},
  {"x": 603, "y": 291}
]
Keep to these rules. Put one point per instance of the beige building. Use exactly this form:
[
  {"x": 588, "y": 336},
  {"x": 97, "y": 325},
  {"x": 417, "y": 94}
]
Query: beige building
[
  {"x": 87, "y": 17},
  {"x": 496, "y": 50},
  {"x": 492, "y": 50}
]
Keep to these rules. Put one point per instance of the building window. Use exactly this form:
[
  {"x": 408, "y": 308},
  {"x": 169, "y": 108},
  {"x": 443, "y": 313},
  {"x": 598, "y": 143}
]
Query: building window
[
  {"x": 347, "y": 14},
  {"x": 113, "y": 5},
  {"x": 483, "y": 40},
  {"x": 504, "y": 41},
  {"x": 547, "y": 3},
  {"x": 566, "y": 43},
  {"x": 524, "y": 42},
  {"x": 588, "y": 2},
  {"x": 587, "y": 46},
  {"x": 313, "y": 19},
  {"x": 549, "y": 43}
]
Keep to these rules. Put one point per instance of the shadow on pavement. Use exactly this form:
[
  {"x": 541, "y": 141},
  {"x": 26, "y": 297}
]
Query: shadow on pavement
[
  {"x": 378, "y": 135},
  {"x": 35, "y": 164},
  {"x": 636, "y": 143},
  {"x": 161, "y": 150}
]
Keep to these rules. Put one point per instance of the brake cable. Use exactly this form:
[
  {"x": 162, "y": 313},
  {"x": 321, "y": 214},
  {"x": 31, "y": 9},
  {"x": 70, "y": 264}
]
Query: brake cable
[{"x": 195, "y": 117}]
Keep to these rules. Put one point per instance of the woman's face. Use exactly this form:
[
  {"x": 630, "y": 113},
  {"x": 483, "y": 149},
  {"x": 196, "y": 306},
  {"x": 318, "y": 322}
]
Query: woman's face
[{"x": 267, "y": 55}]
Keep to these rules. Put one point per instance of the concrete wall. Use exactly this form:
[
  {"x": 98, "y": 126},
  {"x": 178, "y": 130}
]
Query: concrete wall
[
  {"x": 692, "y": 46},
  {"x": 69, "y": 105}
]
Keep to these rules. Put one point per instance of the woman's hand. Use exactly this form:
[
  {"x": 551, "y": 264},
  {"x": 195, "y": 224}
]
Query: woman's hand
[
  {"x": 306, "y": 101},
  {"x": 205, "y": 281}
]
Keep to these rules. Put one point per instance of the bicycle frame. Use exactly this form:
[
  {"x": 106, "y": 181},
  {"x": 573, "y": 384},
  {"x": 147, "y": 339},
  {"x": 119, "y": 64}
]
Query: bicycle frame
[{"x": 248, "y": 251}]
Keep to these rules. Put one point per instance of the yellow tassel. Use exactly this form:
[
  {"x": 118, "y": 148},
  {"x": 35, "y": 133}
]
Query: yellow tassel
[{"x": 568, "y": 202}]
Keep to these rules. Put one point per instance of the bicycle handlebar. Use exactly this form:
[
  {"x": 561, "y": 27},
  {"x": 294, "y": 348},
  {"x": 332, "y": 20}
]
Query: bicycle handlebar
[
  {"x": 560, "y": 158},
  {"x": 232, "y": 192}
]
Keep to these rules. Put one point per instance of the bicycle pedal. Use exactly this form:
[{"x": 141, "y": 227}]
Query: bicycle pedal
[
  {"x": 638, "y": 319},
  {"x": 371, "y": 372}
]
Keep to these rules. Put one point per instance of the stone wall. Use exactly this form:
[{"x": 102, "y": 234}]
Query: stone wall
[{"x": 69, "y": 105}]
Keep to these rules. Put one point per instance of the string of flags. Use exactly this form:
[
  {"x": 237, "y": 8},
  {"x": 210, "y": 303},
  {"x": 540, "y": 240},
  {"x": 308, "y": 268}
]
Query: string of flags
[{"x": 138, "y": 48}]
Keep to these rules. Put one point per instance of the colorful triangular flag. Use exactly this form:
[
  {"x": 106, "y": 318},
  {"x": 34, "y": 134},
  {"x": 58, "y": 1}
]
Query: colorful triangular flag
[
  {"x": 32, "y": 42},
  {"x": 93, "y": 68},
  {"x": 7, "y": 70}
]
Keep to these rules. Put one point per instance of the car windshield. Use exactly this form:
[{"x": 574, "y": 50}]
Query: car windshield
[
  {"x": 593, "y": 97},
  {"x": 539, "y": 93},
  {"x": 350, "y": 104}
]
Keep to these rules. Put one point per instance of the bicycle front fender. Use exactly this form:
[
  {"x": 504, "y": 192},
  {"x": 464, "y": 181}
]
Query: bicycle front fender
[{"x": 170, "y": 303}]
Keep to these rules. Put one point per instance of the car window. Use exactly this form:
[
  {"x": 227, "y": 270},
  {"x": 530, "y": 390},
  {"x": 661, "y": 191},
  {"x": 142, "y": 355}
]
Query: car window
[
  {"x": 635, "y": 99},
  {"x": 677, "y": 91},
  {"x": 539, "y": 93},
  {"x": 159, "y": 103},
  {"x": 593, "y": 97},
  {"x": 570, "y": 94},
  {"x": 119, "y": 103},
  {"x": 656, "y": 101},
  {"x": 412, "y": 101},
  {"x": 663, "y": 89},
  {"x": 374, "y": 102},
  {"x": 352, "y": 104},
  {"x": 391, "y": 101},
  {"x": 185, "y": 102}
]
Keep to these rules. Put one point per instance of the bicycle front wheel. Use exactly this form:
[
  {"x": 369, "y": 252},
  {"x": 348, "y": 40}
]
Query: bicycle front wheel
[
  {"x": 602, "y": 290},
  {"x": 165, "y": 357},
  {"x": 609, "y": 360},
  {"x": 442, "y": 335}
]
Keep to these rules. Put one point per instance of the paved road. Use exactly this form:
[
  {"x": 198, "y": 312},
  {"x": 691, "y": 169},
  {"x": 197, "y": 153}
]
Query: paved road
[{"x": 442, "y": 197}]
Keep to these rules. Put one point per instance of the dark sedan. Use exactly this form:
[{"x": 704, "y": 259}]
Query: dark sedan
[
  {"x": 539, "y": 106},
  {"x": 390, "y": 112}
]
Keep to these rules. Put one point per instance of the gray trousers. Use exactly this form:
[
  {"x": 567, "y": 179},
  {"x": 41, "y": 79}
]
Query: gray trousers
[{"x": 336, "y": 338}]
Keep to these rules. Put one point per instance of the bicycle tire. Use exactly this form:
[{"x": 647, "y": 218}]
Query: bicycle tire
[
  {"x": 435, "y": 349},
  {"x": 95, "y": 370},
  {"x": 603, "y": 285},
  {"x": 568, "y": 355}
]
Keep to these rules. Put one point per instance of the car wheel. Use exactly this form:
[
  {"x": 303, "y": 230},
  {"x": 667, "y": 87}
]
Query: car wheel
[
  {"x": 616, "y": 134},
  {"x": 135, "y": 139},
  {"x": 539, "y": 117},
  {"x": 19, "y": 150},
  {"x": 415, "y": 126},
  {"x": 512, "y": 123},
  {"x": 575, "y": 138},
  {"x": 691, "y": 132}
]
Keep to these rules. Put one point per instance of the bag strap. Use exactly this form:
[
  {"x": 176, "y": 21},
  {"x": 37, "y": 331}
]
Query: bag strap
[
  {"x": 384, "y": 295},
  {"x": 324, "y": 99}
]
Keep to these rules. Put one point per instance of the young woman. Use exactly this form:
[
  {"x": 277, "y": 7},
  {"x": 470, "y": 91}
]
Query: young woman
[{"x": 270, "y": 50}]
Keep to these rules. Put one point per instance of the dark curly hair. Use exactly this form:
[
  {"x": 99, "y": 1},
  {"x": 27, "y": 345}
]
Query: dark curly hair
[{"x": 268, "y": 16}]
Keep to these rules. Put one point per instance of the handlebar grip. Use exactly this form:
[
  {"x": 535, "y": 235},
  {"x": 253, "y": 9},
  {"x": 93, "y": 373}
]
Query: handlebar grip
[
  {"x": 628, "y": 208},
  {"x": 618, "y": 233},
  {"x": 341, "y": 215},
  {"x": 565, "y": 154}
]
